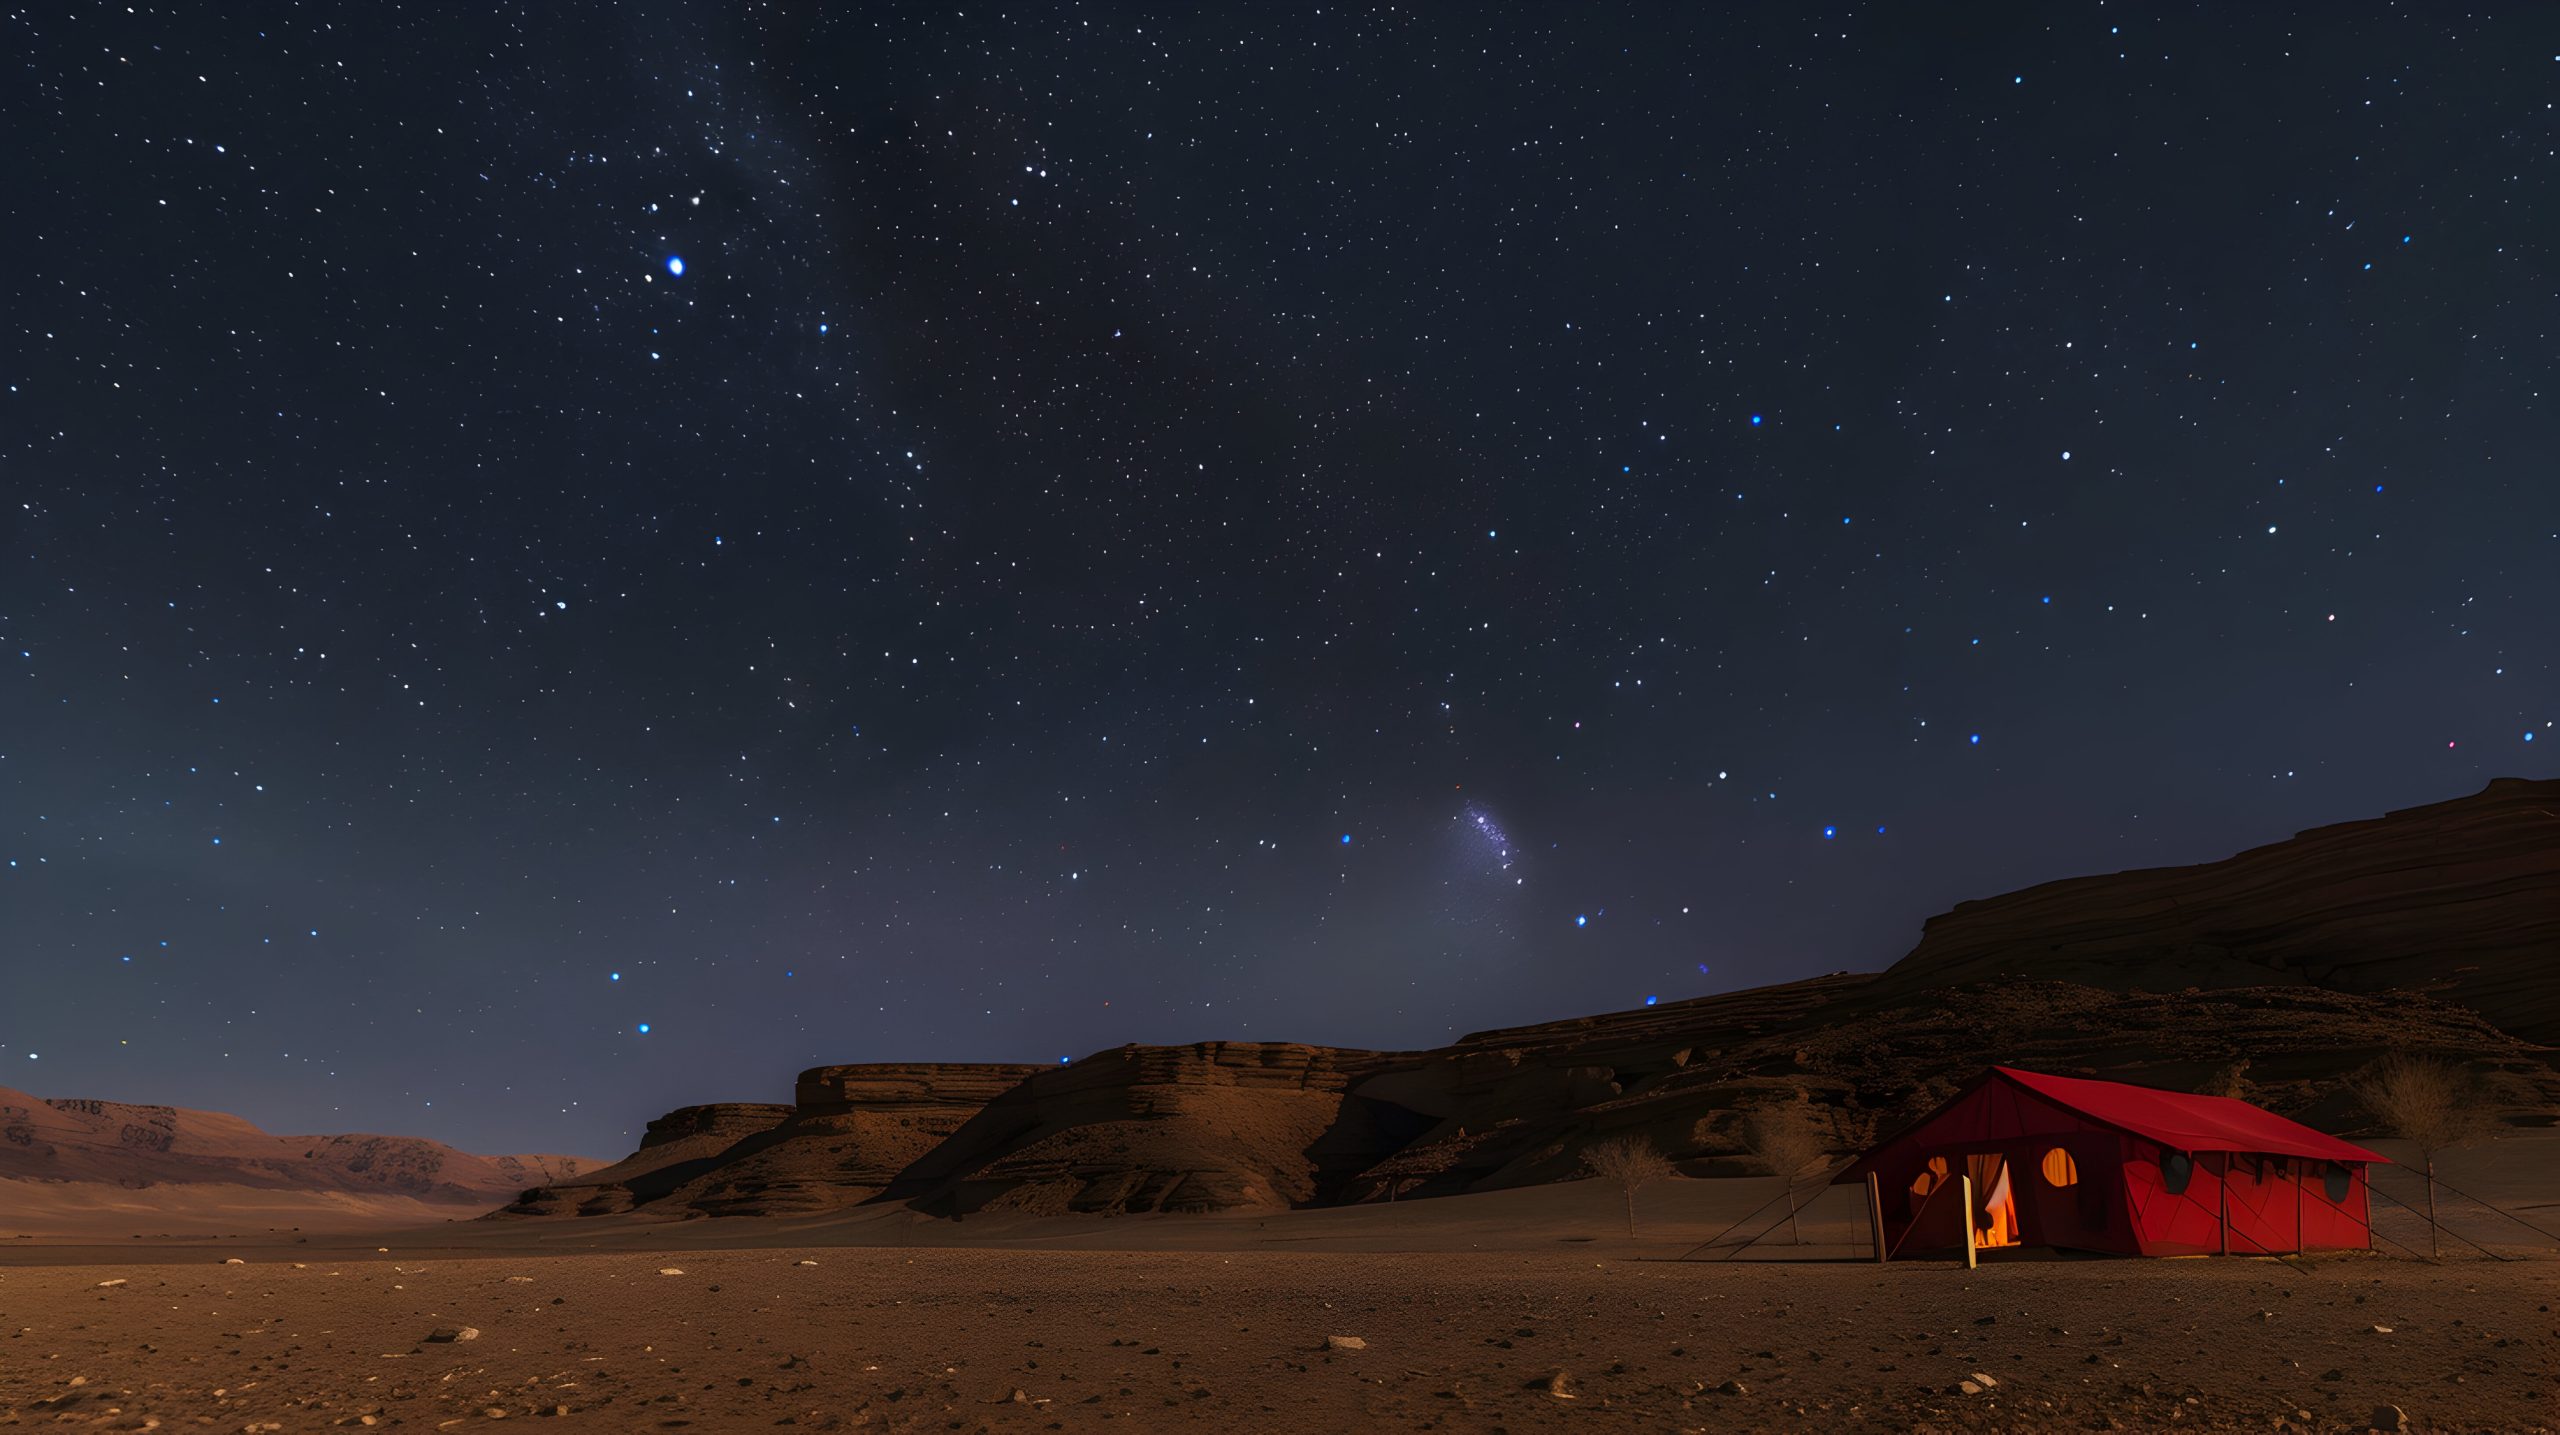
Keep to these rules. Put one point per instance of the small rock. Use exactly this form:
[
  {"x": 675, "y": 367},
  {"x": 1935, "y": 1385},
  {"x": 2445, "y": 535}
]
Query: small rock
[
  {"x": 1985, "y": 1381},
  {"x": 1733, "y": 1387},
  {"x": 2382, "y": 1330},
  {"x": 1967, "y": 1387},
  {"x": 1345, "y": 1342},
  {"x": 447, "y": 1335},
  {"x": 804, "y": 1263},
  {"x": 2390, "y": 1418},
  {"x": 1560, "y": 1385},
  {"x": 233, "y": 1261},
  {"x": 105, "y": 1285},
  {"x": 671, "y": 1270}
]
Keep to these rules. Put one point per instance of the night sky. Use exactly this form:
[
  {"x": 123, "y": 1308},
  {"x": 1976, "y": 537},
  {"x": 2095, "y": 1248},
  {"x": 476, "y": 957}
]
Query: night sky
[{"x": 561, "y": 564}]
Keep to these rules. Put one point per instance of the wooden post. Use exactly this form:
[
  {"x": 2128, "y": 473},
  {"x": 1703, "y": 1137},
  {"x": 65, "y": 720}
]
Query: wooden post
[
  {"x": 2224, "y": 1186},
  {"x": 1875, "y": 1213},
  {"x": 1964, "y": 1188}
]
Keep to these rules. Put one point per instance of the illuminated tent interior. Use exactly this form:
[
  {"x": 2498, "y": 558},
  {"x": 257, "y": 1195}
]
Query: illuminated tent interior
[{"x": 2073, "y": 1164}]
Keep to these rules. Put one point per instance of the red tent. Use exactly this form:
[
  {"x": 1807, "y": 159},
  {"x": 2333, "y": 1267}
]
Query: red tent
[{"x": 2102, "y": 1166}]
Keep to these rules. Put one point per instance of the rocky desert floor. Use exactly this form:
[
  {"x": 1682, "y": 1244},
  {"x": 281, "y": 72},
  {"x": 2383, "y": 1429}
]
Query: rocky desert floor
[{"x": 1519, "y": 1311}]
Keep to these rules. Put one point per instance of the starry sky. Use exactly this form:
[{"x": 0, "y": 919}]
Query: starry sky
[{"x": 560, "y": 562}]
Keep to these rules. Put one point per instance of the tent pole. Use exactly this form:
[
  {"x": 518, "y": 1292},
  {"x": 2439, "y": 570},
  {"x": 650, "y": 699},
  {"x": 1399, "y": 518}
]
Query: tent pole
[
  {"x": 2224, "y": 1187},
  {"x": 1875, "y": 1213},
  {"x": 2298, "y": 1168},
  {"x": 1965, "y": 1189}
]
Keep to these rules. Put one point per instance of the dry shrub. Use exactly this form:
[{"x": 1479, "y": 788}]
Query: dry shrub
[
  {"x": 1786, "y": 1138},
  {"x": 1628, "y": 1162},
  {"x": 2433, "y": 1105}
]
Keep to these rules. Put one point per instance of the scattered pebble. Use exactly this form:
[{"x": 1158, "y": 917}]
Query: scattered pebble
[{"x": 1345, "y": 1342}]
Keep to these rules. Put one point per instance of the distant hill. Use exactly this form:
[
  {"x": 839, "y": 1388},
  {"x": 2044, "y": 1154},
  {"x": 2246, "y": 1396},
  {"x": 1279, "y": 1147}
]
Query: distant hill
[
  {"x": 61, "y": 1157},
  {"x": 2280, "y": 972}
]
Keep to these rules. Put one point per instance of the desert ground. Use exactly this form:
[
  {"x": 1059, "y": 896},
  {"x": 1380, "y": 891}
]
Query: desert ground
[{"x": 1467, "y": 1311}]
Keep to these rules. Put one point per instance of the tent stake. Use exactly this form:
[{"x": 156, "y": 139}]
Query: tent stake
[{"x": 1966, "y": 1190}]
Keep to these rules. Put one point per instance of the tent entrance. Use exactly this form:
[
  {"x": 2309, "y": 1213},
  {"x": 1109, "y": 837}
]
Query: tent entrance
[{"x": 1995, "y": 1204}]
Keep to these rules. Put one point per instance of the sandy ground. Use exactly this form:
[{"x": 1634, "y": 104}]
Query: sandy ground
[
  {"x": 962, "y": 1339},
  {"x": 1467, "y": 1308}
]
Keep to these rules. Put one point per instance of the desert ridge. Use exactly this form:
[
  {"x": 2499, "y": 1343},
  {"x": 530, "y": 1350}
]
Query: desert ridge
[
  {"x": 2220, "y": 976},
  {"x": 81, "y": 1166}
]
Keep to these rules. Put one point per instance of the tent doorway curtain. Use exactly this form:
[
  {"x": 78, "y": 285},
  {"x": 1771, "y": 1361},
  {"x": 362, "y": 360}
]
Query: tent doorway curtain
[{"x": 1995, "y": 1214}]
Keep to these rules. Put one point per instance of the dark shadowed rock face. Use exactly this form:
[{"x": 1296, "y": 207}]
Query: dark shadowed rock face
[
  {"x": 2459, "y": 899},
  {"x": 1213, "y": 1126},
  {"x": 853, "y": 1129},
  {"x": 676, "y": 1146}
]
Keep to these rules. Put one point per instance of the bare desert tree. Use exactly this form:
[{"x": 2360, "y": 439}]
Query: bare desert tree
[
  {"x": 2433, "y": 1105},
  {"x": 1787, "y": 1137},
  {"x": 1628, "y": 1162}
]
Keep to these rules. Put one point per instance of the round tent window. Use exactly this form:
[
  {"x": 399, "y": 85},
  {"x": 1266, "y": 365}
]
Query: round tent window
[
  {"x": 2059, "y": 1168},
  {"x": 1931, "y": 1177},
  {"x": 2177, "y": 1168},
  {"x": 2337, "y": 1181}
]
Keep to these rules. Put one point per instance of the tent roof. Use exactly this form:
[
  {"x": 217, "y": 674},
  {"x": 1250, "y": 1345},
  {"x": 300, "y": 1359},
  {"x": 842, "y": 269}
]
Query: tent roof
[{"x": 2188, "y": 1123}]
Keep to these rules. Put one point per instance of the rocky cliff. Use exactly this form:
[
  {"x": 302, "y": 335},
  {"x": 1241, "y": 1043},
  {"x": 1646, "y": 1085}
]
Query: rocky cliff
[
  {"x": 676, "y": 1147},
  {"x": 2459, "y": 899},
  {"x": 1213, "y": 1126},
  {"x": 849, "y": 1132}
]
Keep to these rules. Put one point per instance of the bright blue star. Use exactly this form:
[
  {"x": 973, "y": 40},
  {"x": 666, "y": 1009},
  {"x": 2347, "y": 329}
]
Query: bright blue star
[
  {"x": 1648, "y": 1001},
  {"x": 1755, "y": 421},
  {"x": 1346, "y": 839},
  {"x": 617, "y": 976},
  {"x": 644, "y": 1028},
  {"x": 675, "y": 265},
  {"x": 2528, "y": 737},
  {"x": 1975, "y": 740},
  {"x": 1581, "y": 921},
  {"x": 1830, "y": 832}
]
